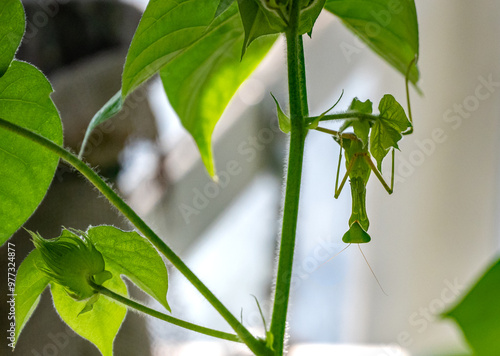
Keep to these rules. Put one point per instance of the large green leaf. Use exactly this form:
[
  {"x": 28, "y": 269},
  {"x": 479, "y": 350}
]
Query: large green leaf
[
  {"x": 223, "y": 6},
  {"x": 201, "y": 79},
  {"x": 389, "y": 27},
  {"x": 199, "y": 57},
  {"x": 387, "y": 130},
  {"x": 12, "y": 23},
  {"x": 130, "y": 254},
  {"x": 166, "y": 27},
  {"x": 30, "y": 283},
  {"x": 27, "y": 170},
  {"x": 99, "y": 325},
  {"x": 478, "y": 313}
]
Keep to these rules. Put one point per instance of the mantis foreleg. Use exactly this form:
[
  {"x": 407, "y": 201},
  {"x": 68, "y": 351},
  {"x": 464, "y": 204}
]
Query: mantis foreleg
[{"x": 338, "y": 190}]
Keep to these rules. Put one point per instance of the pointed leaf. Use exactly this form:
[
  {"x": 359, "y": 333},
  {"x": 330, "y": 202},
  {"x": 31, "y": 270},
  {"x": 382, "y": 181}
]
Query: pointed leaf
[
  {"x": 262, "y": 17},
  {"x": 12, "y": 22},
  {"x": 309, "y": 14},
  {"x": 389, "y": 27},
  {"x": 283, "y": 120},
  {"x": 99, "y": 325},
  {"x": 30, "y": 283},
  {"x": 478, "y": 313},
  {"x": 27, "y": 170},
  {"x": 257, "y": 21},
  {"x": 130, "y": 254},
  {"x": 110, "y": 109},
  {"x": 201, "y": 79},
  {"x": 201, "y": 61},
  {"x": 386, "y": 131}
]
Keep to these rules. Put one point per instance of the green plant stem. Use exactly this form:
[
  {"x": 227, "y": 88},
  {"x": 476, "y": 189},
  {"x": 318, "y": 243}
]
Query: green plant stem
[
  {"x": 298, "y": 111},
  {"x": 255, "y": 345},
  {"x": 343, "y": 116},
  {"x": 170, "y": 319}
]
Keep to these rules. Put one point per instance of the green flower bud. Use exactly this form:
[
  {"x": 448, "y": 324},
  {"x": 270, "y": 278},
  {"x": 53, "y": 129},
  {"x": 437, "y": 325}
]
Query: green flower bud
[{"x": 72, "y": 261}]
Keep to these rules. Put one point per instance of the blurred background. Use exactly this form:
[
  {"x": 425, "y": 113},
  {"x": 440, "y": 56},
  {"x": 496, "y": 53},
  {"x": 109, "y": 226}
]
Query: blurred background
[{"x": 430, "y": 240}]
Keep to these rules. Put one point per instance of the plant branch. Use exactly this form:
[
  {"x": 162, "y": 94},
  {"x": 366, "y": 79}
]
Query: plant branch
[
  {"x": 170, "y": 319},
  {"x": 298, "y": 112},
  {"x": 255, "y": 345},
  {"x": 343, "y": 116},
  {"x": 346, "y": 135}
]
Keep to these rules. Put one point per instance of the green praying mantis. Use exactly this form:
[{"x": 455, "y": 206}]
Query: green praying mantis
[
  {"x": 359, "y": 166},
  {"x": 374, "y": 136}
]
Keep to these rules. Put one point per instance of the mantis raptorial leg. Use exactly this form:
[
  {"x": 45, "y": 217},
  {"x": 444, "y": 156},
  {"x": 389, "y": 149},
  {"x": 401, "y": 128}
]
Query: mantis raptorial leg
[{"x": 374, "y": 168}]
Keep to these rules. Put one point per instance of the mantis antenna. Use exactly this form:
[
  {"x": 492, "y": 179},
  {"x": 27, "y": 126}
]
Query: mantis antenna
[{"x": 370, "y": 267}]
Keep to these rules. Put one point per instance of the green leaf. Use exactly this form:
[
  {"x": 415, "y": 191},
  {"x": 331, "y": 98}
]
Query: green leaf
[
  {"x": 11, "y": 31},
  {"x": 223, "y": 6},
  {"x": 361, "y": 127},
  {"x": 365, "y": 107},
  {"x": 200, "y": 61},
  {"x": 129, "y": 254},
  {"x": 110, "y": 109},
  {"x": 264, "y": 17},
  {"x": 386, "y": 131},
  {"x": 27, "y": 170},
  {"x": 166, "y": 28},
  {"x": 389, "y": 27},
  {"x": 478, "y": 313},
  {"x": 283, "y": 120},
  {"x": 258, "y": 21},
  {"x": 99, "y": 325},
  {"x": 309, "y": 15},
  {"x": 201, "y": 79},
  {"x": 30, "y": 283}
]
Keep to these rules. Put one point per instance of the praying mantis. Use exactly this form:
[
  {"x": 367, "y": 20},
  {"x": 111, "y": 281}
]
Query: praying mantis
[
  {"x": 373, "y": 135},
  {"x": 359, "y": 166}
]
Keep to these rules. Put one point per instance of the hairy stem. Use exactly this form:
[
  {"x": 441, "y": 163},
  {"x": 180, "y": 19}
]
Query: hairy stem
[
  {"x": 170, "y": 319},
  {"x": 255, "y": 345},
  {"x": 298, "y": 111}
]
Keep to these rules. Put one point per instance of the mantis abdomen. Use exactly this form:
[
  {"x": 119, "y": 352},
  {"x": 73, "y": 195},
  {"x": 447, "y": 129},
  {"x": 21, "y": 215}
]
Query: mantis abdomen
[
  {"x": 358, "y": 222},
  {"x": 358, "y": 193}
]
